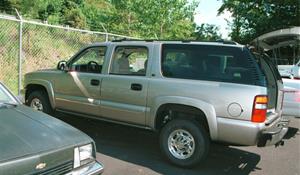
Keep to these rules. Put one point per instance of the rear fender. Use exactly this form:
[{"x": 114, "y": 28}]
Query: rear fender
[{"x": 207, "y": 108}]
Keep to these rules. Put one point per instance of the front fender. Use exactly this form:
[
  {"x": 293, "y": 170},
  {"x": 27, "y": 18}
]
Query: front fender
[
  {"x": 47, "y": 85},
  {"x": 207, "y": 108}
]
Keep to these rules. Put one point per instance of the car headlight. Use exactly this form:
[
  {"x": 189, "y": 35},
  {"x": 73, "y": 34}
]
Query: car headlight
[{"x": 83, "y": 155}]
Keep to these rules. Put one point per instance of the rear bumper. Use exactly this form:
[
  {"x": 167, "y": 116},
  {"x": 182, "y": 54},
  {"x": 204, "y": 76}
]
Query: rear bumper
[
  {"x": 93, "y": 168},
  {"x": 274, "y": 134},
  {"x": 240, "y": 132}
]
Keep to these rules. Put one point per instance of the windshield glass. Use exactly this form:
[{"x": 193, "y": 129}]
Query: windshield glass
[{"x": 6, "y": 97}]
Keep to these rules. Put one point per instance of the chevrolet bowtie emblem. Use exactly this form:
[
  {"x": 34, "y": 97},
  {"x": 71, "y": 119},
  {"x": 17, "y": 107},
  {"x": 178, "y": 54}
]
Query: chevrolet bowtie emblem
[{"x": 40, "y": 166}]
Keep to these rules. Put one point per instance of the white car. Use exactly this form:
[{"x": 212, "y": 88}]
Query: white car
[
  {"x": 295, "y": 71},
  {"x": 290, "y": 71},
  {"x": 291, "y": 102}
]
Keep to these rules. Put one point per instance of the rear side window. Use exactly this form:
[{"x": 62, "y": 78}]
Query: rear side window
[
  {"x": 130, "y": 60},
  {"x": 206, "y": 62}
]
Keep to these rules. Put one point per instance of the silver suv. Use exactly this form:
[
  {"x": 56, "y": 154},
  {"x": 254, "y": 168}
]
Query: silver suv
[{"x": 192, "y": 93}]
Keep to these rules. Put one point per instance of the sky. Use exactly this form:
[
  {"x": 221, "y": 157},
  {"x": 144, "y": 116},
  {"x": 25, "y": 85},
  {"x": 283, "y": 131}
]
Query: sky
[{"x": 207, "y": 12}]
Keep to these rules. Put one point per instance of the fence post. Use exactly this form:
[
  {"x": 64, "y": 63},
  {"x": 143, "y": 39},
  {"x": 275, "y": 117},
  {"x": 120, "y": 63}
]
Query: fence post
[
  {"x": 106, "y": 37},
  {"x": 20, "y": 53},
  {"x": 106, "y": 33}
]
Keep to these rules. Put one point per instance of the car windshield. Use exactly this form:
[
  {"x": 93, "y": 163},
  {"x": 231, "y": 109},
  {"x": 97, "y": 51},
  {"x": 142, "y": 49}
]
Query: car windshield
[{"x": 6, "y": 98}]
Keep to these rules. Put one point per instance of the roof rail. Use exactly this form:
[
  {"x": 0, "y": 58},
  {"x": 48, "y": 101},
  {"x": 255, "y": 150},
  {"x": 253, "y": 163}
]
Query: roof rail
[
  {"x": 227, "y": 42},
  {"x": 152, "y": 40},
  {"x": 184, "y": 41},
  {"x": 127, "y": 39}
]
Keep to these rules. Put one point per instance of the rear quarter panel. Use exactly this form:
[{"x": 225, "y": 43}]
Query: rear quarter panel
[
  {"x": 216, "y": 96},
  {"x": 219, "y": 95}
]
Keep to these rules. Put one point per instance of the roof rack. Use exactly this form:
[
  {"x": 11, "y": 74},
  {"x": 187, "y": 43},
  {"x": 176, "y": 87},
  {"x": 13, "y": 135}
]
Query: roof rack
[
  {"x": 127, "y": 39},
  {"x": 151, "y": 40},
  {"x": 227, "y": 42},
  {"x": 184, "y": 41}
]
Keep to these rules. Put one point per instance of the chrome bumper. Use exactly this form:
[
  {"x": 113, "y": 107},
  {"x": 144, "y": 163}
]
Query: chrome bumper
[
  {"x": 93, "y": 168},
  {"x": 239, "y": 132},
  {"x": 274, "y": 134}
]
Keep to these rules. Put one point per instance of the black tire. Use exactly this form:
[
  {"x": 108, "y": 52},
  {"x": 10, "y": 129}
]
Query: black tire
[
  {"x": 43, "y": 97},
  {"x": 201, "y": 140}
]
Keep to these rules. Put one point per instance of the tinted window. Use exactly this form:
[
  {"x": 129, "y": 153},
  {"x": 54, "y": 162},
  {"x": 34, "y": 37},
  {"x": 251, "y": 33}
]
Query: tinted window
[{"x": 212, "y": 63}]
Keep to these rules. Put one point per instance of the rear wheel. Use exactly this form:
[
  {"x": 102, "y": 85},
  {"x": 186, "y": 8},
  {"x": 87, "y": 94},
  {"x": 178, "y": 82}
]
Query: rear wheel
[
  {"x": 184, "y": 143},
  {"x": 39, "y": 101}
]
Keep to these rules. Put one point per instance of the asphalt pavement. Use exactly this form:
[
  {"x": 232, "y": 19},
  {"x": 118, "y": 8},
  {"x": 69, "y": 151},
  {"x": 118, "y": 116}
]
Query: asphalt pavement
[{"x": 129, "y": 151}]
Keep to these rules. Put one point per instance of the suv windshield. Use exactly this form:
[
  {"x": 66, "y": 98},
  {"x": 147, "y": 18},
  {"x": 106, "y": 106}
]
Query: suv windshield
[{"x": 6, "y": 98}]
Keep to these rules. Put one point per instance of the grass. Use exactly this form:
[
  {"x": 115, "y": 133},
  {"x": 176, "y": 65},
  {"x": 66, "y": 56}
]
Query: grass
[{"x": 42, "y": 48}]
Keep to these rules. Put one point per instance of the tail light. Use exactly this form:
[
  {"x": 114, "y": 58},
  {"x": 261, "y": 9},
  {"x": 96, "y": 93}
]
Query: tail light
[
  {"x": 259, "y": 111},
  {"x": 296, "y": 78}
]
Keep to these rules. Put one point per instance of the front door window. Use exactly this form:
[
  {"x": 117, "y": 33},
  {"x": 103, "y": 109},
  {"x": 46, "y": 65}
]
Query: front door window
[{"x": 89, "y": 61}]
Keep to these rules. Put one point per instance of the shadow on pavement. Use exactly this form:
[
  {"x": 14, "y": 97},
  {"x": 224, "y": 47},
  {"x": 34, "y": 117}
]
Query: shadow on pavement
[
  {"x": 292, "y": 132},
  {"x": 141, "y": 147}
]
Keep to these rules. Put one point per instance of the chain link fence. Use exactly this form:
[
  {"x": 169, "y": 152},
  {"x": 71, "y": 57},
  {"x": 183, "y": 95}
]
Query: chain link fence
[
  {"x": 26, "y": 46},
  {"x": 9, "y": 49}
]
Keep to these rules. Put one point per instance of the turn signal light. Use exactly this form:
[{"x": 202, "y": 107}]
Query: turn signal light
[{"x": 259, "y": 112}]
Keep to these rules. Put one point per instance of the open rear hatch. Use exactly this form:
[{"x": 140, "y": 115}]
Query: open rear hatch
[{"x": 274, "y": 86}]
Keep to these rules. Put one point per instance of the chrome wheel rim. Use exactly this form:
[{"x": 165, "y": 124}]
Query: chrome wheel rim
[
  {"x": 181, "y": 144},
  {"x": 36, "y": 104}
]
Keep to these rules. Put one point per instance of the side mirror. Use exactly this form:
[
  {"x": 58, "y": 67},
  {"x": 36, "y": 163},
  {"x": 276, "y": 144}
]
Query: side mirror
[{"x": 62, "y": 65}]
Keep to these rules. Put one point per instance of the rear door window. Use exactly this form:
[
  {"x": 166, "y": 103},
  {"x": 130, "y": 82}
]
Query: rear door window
[
  {"x": 206, "y": 62},
  {"x": 130, "y": 60}
]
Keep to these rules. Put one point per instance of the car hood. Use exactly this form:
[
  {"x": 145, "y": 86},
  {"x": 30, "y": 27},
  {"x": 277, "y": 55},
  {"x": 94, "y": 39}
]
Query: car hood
[{"x": 25, "y": 132}]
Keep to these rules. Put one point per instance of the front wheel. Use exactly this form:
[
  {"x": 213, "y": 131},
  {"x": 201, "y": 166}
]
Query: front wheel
[
  {"x": 39, "y": 101},
  {"x": 184, "y": 143}
]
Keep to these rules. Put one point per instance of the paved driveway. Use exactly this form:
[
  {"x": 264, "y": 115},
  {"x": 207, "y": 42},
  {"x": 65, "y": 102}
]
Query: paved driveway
[{"x": 129, "y": 151}]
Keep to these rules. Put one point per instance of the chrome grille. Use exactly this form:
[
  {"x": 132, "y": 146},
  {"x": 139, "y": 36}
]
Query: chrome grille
[{"x": 58, "y": 170}]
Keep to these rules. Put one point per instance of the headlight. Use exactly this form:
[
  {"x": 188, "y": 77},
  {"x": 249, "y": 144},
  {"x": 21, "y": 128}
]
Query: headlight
[{"x": 83, "y": 155}]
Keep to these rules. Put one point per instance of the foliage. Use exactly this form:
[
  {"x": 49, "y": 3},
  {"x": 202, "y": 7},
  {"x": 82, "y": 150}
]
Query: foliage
[
  {"x": 207, "y": 32},
  {"x": 253, "y": 18},
  {"x": 164, "y": 19},
  {"x": 9, "y": 5},
  {"x": 42, "y": 47}
]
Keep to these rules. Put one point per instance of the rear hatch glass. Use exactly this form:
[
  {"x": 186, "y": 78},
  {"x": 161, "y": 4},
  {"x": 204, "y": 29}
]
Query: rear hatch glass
[{"x": 274, "y": 81}]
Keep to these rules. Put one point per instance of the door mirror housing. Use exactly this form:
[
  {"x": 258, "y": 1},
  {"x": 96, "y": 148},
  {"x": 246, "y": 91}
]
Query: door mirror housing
[{"x": 62, "y": 65}]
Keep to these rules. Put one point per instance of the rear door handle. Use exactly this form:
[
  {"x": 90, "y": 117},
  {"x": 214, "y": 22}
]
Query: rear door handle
[
  {"x": 136, "y": 87},
  {"x": 95, "y": 82}
]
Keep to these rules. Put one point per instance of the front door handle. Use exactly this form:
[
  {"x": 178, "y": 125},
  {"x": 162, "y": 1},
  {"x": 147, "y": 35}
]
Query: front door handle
[
  {"x": 136, "y": 87},
  {"x": 95, "y": 82}
]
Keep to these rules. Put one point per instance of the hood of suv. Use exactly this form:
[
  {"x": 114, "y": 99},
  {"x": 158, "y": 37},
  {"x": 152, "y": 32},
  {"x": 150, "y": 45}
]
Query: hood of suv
[{"x": 27, "y": 132}]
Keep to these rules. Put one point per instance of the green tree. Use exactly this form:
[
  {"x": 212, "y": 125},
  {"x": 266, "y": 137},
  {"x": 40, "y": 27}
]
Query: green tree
[
  {"x": 163, "y": 19},
  {"x": 253, "y": 18},
  {"x": 75, "y": 18},
  {"x": 207, "y": 32},
  {"x": 166, "y": 19},
  {"x": 98, "y": 14}
]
